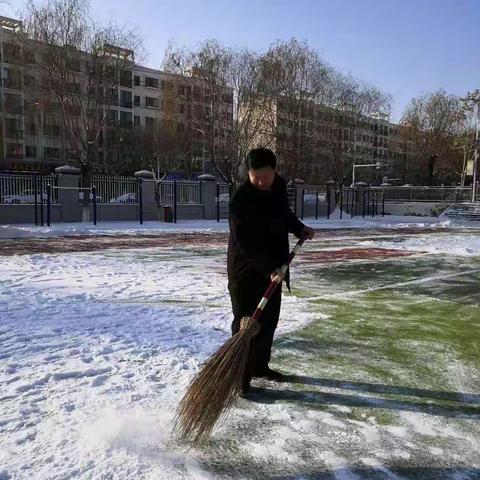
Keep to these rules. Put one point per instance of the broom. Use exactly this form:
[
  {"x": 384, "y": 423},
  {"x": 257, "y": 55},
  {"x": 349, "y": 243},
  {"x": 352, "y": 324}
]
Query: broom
[{"x": 214, "y": 389}]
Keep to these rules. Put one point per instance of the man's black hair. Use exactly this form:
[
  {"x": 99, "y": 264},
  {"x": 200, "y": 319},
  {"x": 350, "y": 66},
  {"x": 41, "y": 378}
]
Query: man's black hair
[{"x": 260, "y": 158}]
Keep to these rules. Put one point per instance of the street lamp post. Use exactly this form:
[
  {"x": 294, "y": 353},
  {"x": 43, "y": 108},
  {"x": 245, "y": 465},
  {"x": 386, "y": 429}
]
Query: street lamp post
[{"x": 377, "y": 165}]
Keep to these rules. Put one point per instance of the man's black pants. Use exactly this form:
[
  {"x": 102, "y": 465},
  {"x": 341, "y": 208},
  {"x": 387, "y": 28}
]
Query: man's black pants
[{"x": 245, "y": 295}]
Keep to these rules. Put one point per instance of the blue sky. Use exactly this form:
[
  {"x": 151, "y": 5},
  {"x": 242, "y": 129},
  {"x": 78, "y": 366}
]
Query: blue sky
[{"x": 403, "y": 47}]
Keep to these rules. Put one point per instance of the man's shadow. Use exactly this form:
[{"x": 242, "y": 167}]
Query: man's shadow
[{"x": 460, "y": 405}]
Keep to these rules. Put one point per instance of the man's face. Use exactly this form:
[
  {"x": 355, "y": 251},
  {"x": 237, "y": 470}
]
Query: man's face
[{"x": 262, "y": 178}]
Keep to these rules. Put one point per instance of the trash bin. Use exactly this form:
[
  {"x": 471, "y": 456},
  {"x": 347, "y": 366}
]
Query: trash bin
[{"x": 167, "y": 213}]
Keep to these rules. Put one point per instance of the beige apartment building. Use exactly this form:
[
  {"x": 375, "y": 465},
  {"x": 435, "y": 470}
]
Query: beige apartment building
[
  {"x": 145, "y": 104},
  {"x": 311, "y": 145}
]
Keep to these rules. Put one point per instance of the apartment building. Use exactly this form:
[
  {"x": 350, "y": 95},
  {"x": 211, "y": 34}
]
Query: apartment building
[
  {"x": 12, "y": 100},
  {"x": 144, "y": 100},
  {"x": 325, "y": 136},
  {"x": 187, "y": 108}
]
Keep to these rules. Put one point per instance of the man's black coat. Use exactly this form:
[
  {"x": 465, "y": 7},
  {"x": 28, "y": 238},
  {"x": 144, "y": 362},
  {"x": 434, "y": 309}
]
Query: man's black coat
[{"x": 259, "y": 225}]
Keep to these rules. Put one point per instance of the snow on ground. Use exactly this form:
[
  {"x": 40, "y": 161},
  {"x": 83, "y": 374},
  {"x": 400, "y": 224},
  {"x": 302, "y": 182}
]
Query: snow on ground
[
  {"x": 451, "y": 243},
  {"x": 153, "y": 227},
  {"x": 97, "y": 348}
]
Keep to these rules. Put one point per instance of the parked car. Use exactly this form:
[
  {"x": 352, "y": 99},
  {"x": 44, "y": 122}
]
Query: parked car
[
  {"x": 310, "y": 199},
  {"x": 223, "y": 198},
  {"x": 98, "y": 197},
  {"x": 130, "y": 197},
  {"x": 27, "y": 196},
  {"x": 360, "y": 184}
]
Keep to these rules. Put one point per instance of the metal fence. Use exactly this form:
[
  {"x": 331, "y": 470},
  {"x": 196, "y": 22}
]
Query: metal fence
[
  {"x": 224, "y": 192},
  {"x": 169, "y": 192},
  {"x": 27, "y": 188},
  {"x": 362, "y": 201},
  {"x": 425, "y": 194},
  {"x": 292, "y": 196},
  {"x": 113, "y": 189}
]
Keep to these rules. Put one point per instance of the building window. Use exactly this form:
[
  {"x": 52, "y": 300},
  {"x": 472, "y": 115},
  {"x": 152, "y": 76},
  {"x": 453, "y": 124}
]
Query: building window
[
  {"x": 15, "y": 150},
  {"x": 149, "y": 122},
  {"x": 136, "y": 121},
  {"x": 13, "y": 128},
  {"x": 30, "y": 151},
  {"x": 112, "y": 116},
  {"x": 13, "y": 104},
  {"x": 126, "y": 78},
  {"x": 125, "y": 99},
  {"x": 151, "y": 102},
  {"x": 136, "y": 100},
  {"x": 136, "y": 80},
  {"x": 151, "y": 82},
  {"x": 11, "y": 53},
  {"x": 113, "y": 96},
  {"x": 125, "y": 119},
  {"x": 51, "y": 152}
]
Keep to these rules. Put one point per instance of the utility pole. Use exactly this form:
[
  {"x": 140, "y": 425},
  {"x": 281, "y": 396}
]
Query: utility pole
[
  {"x": 475, "y": 157},
  {"x": 474, "y": 97}
]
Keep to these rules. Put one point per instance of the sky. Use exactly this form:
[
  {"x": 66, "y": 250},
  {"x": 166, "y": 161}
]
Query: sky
[{"x": 404, "y": 47}]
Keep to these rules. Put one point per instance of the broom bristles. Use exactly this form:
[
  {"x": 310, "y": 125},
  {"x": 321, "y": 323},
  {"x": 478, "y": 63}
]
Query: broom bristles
[{"x": 213, "y": 390}]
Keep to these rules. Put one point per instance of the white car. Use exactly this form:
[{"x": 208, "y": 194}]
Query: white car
[
  {"x": 98, "y": 197},
  {"x": 27, "y": 196},
  {"x": 130, "y": 197},
  {"x": 359, "y": 184},
  {"x": 223, "y": 198},
  {"x": 310, "y": 199}
]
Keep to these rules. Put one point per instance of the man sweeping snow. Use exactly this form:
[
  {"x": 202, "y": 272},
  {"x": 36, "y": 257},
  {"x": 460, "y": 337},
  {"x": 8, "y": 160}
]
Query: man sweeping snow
[{"x": 260, "y": 220}]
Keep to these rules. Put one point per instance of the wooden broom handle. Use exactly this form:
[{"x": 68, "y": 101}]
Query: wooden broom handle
[{"x": 274, "y": 283}]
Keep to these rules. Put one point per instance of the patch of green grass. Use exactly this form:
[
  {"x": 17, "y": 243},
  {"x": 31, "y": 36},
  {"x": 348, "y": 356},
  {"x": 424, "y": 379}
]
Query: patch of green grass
[{"x": 397, "y": 346}]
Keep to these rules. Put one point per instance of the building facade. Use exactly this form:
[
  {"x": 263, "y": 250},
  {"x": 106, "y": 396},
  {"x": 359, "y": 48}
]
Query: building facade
[
  {"x": 324, "y": 143},
  {"x": 151, "y": 114}
]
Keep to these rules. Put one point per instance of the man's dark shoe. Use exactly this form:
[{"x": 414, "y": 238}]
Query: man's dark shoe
[
  {"x": 270, "y": 374},
  {"x": 245, "y": 385}
]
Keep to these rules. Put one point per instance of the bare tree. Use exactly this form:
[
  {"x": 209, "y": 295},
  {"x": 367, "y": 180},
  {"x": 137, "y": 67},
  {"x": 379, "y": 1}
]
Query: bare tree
[
  {"x": 160, "y": 148},
  {"x": 432, "y": 122},
  {"x": 355, "y": 129},
  {"x": 205, "y": 68},
  {"x": 294, "y": 78},
  {"x": 81, "y": 66}
]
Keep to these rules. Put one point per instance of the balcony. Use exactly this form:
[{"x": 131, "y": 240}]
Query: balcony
[{"x": 126, "y": 104}]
